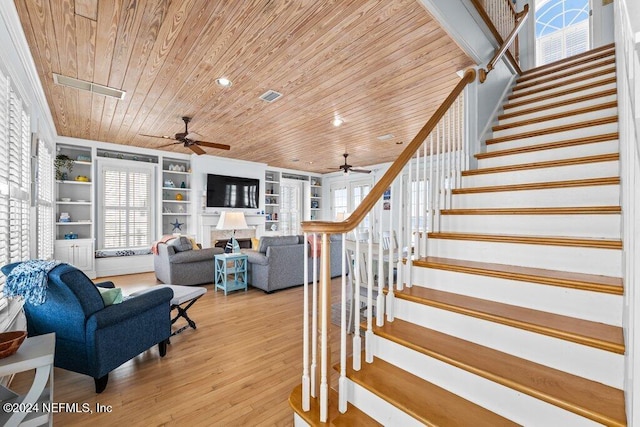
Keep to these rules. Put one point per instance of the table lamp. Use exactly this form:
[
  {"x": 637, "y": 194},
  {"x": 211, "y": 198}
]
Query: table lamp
[{"x": 232, "y": 221}]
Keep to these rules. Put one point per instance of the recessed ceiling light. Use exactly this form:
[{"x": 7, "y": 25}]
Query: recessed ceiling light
[
  {"x": 386, "y": 137},
  {"x": 224, "y": 82},
  {"x": 337, "y": 121}
]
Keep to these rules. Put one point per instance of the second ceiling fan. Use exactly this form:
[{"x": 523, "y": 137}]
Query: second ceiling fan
[{"x": 188, "y": 139}]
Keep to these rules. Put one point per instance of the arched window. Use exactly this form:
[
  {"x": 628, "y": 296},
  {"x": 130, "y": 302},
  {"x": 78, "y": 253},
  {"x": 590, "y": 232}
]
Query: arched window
[{"x": 562, "y": 29}]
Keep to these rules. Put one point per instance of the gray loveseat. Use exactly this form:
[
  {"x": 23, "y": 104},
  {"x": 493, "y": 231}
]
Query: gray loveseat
[
  {"x": 177, "y": 263},
  {"x": 278, "y": 263}
]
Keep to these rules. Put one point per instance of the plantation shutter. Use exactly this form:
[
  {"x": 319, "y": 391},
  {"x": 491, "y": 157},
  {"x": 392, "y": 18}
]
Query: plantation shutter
[
  {"x": 4, "y": 187},
  {"x": 44, "y": 189},
  {"x": 126, "y": 205}
]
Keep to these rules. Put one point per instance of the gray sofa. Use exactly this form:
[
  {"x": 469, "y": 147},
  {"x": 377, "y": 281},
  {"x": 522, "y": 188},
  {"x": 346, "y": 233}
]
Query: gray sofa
[
  {"x": 177, "y": 263},
  {"x": 278, "y": 263}
]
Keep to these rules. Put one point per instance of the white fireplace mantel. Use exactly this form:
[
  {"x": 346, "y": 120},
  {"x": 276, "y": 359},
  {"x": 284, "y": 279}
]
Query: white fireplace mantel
[{"x": 209, "y": 221}]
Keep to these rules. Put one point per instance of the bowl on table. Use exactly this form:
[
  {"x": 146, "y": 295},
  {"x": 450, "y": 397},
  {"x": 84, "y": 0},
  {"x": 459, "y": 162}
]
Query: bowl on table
[{"x": 10, "y": 342}]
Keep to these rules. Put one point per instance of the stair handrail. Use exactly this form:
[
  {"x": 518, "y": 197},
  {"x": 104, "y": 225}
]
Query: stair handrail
[
  {"x": 394, "y": 170},
  {"x": 521, "y": 17}
]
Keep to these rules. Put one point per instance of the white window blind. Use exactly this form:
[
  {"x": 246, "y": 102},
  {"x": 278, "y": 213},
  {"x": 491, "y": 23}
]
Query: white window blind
[
  {"x": 126, "y": 205},
  {"x": 15, "y": 179},
  {"x": 44, "y": 191}
]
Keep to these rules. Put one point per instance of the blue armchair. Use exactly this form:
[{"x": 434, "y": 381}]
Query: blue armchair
[{"x": 91, "y": 338}]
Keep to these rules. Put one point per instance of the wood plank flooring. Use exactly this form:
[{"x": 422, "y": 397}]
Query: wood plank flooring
[{"x": 237, "y": 369}]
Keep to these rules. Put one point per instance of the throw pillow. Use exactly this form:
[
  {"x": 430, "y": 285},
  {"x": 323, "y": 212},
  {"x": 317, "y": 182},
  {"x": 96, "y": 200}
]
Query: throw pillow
[
  {"x": 314, "y": 250},
  {"x": 181, "y": 244},
  {"x": 111, "y": 295},
  {"x": 255, "y": 243},
  {"x": 194, "y": 245}
]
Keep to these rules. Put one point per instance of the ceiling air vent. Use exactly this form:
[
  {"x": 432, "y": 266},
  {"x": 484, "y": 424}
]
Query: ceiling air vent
[
  {"x": 270, "y": 95},
  {"x": 88, "y": 86},
  {"x": 385, "y": 137}
]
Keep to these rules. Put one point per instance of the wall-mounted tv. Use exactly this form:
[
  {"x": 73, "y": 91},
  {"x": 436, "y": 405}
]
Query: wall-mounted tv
[{"x": 232, "y": 192}]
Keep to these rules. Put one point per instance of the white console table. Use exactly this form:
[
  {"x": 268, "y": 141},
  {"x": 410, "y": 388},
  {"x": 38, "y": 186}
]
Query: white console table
[{"x": 34, "y": 353}]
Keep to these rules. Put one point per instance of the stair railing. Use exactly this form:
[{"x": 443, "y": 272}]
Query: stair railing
[
  {"x": 505, "y": 24},
  {"x": 440, "y": 157}
]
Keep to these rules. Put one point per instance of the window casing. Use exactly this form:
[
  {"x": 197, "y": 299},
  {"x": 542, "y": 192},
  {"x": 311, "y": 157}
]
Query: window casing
[{"x": 126, "y": 201}]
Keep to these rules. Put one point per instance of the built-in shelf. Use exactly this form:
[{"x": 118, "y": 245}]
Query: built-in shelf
[{"x": 75, "y": 223}]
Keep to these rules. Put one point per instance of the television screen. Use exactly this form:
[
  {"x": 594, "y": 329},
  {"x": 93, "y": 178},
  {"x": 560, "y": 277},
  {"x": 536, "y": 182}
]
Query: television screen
[{"x": 232, "y": 192}]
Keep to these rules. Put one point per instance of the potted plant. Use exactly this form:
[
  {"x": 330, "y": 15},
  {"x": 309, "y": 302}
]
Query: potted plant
[{"x": 62, "y": 163}]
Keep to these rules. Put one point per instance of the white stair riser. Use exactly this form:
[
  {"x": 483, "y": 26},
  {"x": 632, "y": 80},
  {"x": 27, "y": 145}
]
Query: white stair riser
[
  {"x": 548, "y": 90},
  {"x": 588, "y": 362},
  {"x": 298, "y": 421},
  {"x": 558, "y": 173},
  {"x": 593, "y": 115},
  {"x": 588, "y": 305},
  {"x": 377, "y": 408},
  {"x": 582, "y": 150},
  {"x": 516, "y": 406},
  {"x": 601, "y": 67},
  {"x": 559, "y": 98},
  {"x": 554, "y": 137},
  {"x": 558, "y": 110},
  {"x": 598, "y": 195},
  {"x": 577, "y": 225},
  {"x": 575, "y": 62},
  {"x": 605, "y": 262}
]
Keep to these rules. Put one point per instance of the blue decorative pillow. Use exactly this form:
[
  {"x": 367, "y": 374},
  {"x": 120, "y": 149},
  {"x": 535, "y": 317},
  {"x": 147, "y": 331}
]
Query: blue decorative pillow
[{"x": 111, "y": 295}]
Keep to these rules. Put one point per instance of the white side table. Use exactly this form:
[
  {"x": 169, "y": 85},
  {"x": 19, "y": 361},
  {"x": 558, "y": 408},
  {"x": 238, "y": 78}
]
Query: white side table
[{"x": 34, "y": 353}]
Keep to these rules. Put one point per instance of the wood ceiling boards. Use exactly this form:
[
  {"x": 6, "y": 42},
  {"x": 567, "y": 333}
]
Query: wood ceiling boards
[{"x": 382, "y": 66}]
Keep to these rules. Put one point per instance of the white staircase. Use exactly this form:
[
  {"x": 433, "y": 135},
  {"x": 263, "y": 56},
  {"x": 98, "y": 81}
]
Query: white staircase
[{"x": 514, "y": 316}]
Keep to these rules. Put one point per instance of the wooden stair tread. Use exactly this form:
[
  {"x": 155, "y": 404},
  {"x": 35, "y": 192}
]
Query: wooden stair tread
[
  {"x": 568, "y": 91},
  {"x": 558, "y": 84},
  {"x": 428, "y": 403},
  {"x": 531, "y": 240},
  {"x": 550, "y": 145},
  {"x": 564, "y": 114},
  {"x": 589, "y": 282},
  {"x": 353, "y": 416},
  {"x": 584, "y": 397},
  {"x": 592, "y": 334},
  {"x": 614, "y": 180},
  {"x": 572, "y": 210},
  {"x": 596, "y": 53},
  {"x": 563, "y": 103},
  {"x": 567, "y": 72},
  {"x": 610, "y": 157},
  {"x": 554, "y": 129}
]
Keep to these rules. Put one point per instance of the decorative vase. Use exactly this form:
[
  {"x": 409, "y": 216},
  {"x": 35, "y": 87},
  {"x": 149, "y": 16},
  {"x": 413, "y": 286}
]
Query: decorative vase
[{"x": 179, "y": 196}]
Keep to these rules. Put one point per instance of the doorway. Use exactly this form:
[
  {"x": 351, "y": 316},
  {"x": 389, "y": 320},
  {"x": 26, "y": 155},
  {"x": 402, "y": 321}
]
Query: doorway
[
  {"x": 562, "y": 29},
  {"x": 291, "y": 192}
]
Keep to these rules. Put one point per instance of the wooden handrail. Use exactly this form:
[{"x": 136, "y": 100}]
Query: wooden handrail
[
  {"x": 521, "y": 18},
  {"x": 394, "y": 170}
]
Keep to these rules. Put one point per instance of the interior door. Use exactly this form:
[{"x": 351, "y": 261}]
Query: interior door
[{"x": 291, "y": 207}]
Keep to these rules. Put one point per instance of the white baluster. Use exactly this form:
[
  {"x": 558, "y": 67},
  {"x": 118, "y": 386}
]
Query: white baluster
[
  {"x": 380, "y": 298},
  {"x": 306, "y": 385},
  {"x": 416, "y": 208},
  {"x": 324, "y": 325},
  {"x": 409, "y": 263},
  {"x": 389, "y": 306},
  {"x": 342, "y": 382},
  {"x": 432, "y": 187},
  {"x": 368, "y": 335},
  {"x": 357, "y": 343},
  {"x": 314, "y": 320},
  {"x": 401, "y": 198},
  {"x": 425, "y": 206}
]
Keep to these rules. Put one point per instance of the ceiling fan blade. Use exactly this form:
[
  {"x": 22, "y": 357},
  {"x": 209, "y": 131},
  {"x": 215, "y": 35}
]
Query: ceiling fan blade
[
  {"x": 199, "y": 151},
  {"x": 155, "y": 136},
  {"x": 213, "y": 145},
  {"x": 360, "y": 170}
]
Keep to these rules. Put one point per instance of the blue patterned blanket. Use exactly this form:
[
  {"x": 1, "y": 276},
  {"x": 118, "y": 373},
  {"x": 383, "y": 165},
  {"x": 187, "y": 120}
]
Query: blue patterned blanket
[{"x": 29, "y": 280}]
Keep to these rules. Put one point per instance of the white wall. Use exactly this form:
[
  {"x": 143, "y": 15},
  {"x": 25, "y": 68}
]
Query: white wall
[{"x": 627, "y": 34}]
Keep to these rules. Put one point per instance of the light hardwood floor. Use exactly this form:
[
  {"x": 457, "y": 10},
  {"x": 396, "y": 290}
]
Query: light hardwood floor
[{"x": 237, "y": 369}]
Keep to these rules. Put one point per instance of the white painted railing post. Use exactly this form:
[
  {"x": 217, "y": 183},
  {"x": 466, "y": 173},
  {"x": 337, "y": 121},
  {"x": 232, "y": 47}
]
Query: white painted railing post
[
  {"x": 380, "y": 297},
  {"x": 357, "y": 343},
  {"x": 314, "y": 319}
]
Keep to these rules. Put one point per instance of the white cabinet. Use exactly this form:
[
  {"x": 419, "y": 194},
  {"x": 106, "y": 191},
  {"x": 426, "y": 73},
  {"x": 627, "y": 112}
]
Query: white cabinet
[
  {"x": 77, "y": 252},
  {"x": 176, "y": 196}
]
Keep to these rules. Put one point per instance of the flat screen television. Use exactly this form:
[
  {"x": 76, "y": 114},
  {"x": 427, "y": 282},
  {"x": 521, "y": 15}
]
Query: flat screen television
[{"x": 232, "y": 192}]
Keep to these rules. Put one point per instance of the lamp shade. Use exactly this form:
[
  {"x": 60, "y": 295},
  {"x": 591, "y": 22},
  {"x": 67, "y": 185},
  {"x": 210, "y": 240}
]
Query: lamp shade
[{"x": 232, "y": 221}]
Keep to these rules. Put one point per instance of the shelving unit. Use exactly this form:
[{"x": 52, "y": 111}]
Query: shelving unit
[
  {"x": 272, "y": 200},
  {"x": 315, "y": 203},
  {"x": 74, "y": 197},
  {"x": 176, "y": 195}
]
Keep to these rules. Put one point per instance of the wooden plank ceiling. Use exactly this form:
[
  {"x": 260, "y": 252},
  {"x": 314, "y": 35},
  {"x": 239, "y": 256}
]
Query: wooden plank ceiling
[{"x": 383, "y": 66}]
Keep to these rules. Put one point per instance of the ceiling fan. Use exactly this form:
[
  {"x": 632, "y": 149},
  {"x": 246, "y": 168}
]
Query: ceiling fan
[
  {"x": 188, "y": 139},
  {"x": 347, "y": 168}
]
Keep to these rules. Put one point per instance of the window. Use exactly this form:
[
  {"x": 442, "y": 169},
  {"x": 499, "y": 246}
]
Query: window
[
  {"x": 359, "y": 191},
  {"x": 418, "y": 197},
  {"x": 15, "y": 181},
  {"x": 339, "y": 200},
  {"x": 562, "y": 29},
  {"x": 126, "y": 201}
]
